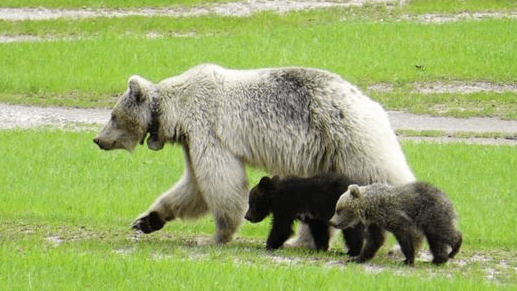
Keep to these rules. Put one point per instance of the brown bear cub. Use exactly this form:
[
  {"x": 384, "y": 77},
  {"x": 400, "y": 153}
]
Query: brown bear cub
[
  {"x": 410, "y": 212},
  {"x": 311, "y": 200}
]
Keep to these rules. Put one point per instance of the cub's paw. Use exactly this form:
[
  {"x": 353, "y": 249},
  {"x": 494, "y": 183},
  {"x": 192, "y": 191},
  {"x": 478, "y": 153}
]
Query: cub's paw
[
  {"x": 148, "y": 223},
  {"x": 357, "y": 259}
]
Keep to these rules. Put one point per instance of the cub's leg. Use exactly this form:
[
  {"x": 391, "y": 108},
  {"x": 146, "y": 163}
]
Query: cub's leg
[
  {"x": 282, "y": 229},
  {"x": 354, "y": 239},
  {"x": 456, "y": 244},
  {"x": 409, "y": 239},
  {"x": 439, "y": 244},
  {"x": 374, "y": 240},
  {"x": 320, "y": 233}
]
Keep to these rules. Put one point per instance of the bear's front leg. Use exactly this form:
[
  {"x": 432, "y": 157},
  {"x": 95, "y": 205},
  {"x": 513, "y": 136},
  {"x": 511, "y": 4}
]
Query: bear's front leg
[
  {"x": 183, "y": 200},
  {"x": 374, "y": 240},
  {"x": 148, "y": 223},
  {"x": 282, "y": 229},
  {"x": 407, "y": 237},
  {"x": 354, "y": 239}
]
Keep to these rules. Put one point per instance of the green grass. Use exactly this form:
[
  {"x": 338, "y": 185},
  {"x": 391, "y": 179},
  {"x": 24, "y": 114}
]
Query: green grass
[
  {"x": 455, "y": 6},
  {"x": 358, "y": 51},
  {"x": 502, "y": 105},
  {"x": 66, "y": 172},
  {"x": 459, "y": 134},
  {"x": 86, "y": 62},
  {"x": 66, "y": 207}
]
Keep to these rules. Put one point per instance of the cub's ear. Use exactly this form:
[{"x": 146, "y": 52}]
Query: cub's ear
[
  {"x": 354, "y": 191},
  {"x": 266, "y": 183},
  {"x": 136, "y": 88}
]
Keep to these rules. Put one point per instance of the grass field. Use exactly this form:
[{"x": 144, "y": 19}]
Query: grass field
[
  {"x": 66, "y": 206},
  {"x": 86, "y": 62}
]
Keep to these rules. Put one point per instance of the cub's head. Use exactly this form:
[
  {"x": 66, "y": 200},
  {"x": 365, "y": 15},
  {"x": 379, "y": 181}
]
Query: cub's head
[
  {"x": 347, "y": 209},
  {"x": 131, "y": 118},
  {"x": 260, "y": 200}
]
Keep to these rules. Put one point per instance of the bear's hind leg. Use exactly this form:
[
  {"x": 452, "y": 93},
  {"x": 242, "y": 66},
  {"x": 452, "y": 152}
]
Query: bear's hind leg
[
  {"x": 304, "y": 238},
  {"x": 223, "y": 183},
  {"x": 456, "y": 244},
  {"x": 439, "y": 250}
]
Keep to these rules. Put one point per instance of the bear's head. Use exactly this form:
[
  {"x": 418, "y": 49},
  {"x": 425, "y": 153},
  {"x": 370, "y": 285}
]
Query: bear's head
[
  {"x": 347, "y": 209},
  {"x": 134, "y": 115},
  {"x": 260, "y": 199}
]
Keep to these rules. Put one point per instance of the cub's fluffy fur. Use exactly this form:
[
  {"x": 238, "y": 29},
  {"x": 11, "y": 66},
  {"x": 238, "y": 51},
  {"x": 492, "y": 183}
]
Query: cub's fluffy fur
[
  {"x": 311, "y": 200},
  {"x": 410, "y": 212}
]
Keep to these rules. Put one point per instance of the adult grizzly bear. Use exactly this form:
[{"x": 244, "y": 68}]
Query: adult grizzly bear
[{"x": 291, "y": 121}]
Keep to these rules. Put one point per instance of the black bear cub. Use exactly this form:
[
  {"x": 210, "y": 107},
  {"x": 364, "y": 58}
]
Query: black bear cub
[{"x": 311, "y": 200}]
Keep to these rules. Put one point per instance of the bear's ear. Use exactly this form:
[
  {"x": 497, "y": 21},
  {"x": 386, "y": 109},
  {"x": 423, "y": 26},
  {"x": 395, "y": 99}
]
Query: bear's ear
[
  {"x": 266, "y": 183},
  {"x": 354, "y": 191},
  {"x": 135, "y": 89}
]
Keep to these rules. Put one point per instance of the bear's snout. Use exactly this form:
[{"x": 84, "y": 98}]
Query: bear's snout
[
  {"x": 103, "y": 144},
  {"x": 334, "y": 222},
  {"x": 249, "y": 217}
]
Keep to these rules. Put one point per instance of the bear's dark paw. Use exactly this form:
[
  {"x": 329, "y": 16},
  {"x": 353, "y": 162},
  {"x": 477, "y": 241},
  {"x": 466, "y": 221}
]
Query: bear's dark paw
[
  {"x": 148, "y": 223},
  {"x": 409, "y": 263},
  {"x": 353, "y": 252},
  {"x": 356, "y": 259}
]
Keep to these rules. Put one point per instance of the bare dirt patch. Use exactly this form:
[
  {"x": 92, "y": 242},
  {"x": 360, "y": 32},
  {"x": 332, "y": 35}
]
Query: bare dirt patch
[
  {"x": 238, "y": 9},
  {"x": 450, "y": 87}
]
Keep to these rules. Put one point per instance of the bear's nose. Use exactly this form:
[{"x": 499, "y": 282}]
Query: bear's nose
[{"x": 96, "y": 140}]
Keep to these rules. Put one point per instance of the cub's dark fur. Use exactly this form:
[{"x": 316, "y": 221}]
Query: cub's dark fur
[{"x": 311, "y": 200}]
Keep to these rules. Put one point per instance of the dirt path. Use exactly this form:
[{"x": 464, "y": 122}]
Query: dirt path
[
  {"x": 239, "y": 9},
  {"x": 18, "y": 116}
]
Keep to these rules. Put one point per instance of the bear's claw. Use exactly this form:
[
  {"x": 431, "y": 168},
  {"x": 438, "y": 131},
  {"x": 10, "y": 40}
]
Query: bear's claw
[{"x": 148, "y": 223}]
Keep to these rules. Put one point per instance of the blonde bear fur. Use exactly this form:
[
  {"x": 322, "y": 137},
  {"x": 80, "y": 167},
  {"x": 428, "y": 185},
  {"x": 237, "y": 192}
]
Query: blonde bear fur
[{"x": 291, "y": 121}]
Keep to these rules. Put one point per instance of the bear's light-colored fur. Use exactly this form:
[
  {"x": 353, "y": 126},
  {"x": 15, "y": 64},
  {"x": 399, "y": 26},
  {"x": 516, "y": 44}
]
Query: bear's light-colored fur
[{"x": 292, "y": 121}]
